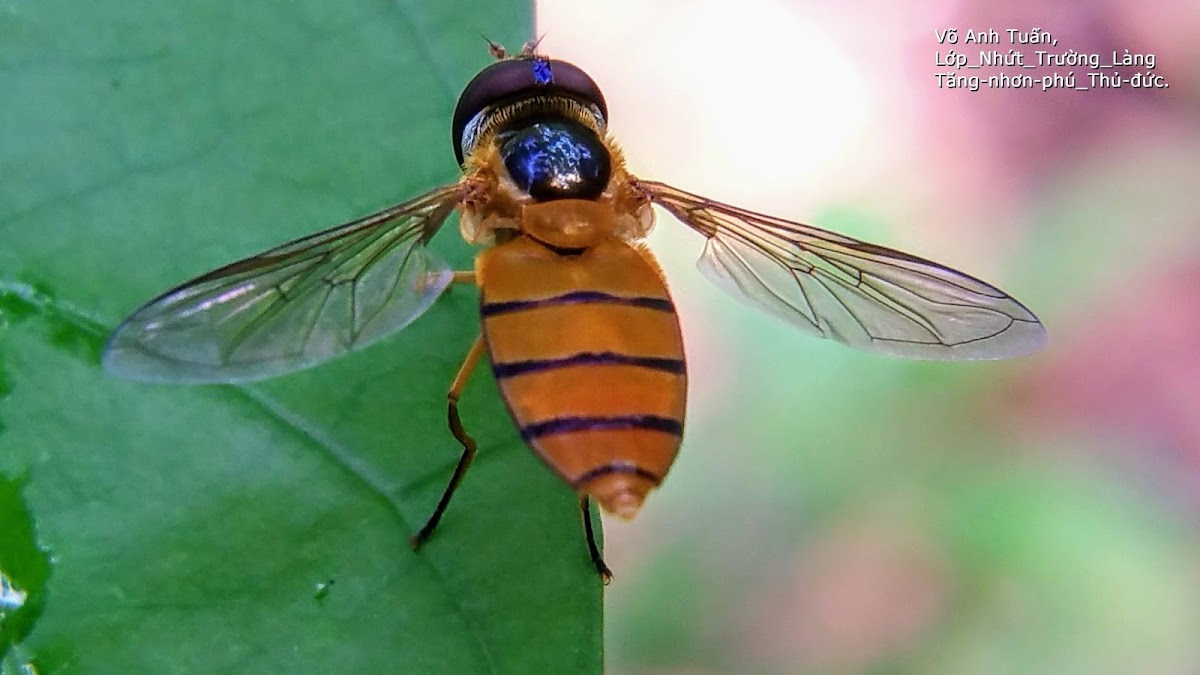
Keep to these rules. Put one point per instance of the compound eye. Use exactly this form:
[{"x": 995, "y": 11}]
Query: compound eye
[
  {"x": 513, "y": 79},
  {"x": 556, "y": 159}
]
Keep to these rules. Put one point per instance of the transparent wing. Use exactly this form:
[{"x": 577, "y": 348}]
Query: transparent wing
[
  {"x": 860, "y": 294},
  {"x": 292, "y": 306}
]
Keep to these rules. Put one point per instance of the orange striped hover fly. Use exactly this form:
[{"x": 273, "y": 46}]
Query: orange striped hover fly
[{"x": 575, "y": 314}]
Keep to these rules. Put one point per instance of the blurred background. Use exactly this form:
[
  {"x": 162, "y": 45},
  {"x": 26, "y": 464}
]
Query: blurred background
[{"x": 833, "y": 511}]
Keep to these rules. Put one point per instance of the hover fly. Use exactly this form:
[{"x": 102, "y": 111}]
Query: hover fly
[{"x": 575, "y": 316}]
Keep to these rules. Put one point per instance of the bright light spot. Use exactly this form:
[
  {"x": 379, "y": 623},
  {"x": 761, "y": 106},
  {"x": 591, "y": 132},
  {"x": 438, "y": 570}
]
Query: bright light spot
[
  {"x": 11, "y": 597},
  {"x": 786, "y": 103},
  {"x": 754, "y": 99}
]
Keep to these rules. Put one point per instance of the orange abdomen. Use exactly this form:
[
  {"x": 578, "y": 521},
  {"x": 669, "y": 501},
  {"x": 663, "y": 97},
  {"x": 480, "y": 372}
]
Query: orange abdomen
[{"x": 588, "y": 356}]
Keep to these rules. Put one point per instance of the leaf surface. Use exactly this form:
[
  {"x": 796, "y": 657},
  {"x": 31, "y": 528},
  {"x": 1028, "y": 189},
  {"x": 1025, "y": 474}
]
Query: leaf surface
[{"x": 258, "y": 528}]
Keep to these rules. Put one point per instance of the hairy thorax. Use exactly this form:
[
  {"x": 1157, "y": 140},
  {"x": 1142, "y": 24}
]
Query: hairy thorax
[{"x": 495, "y": 208}]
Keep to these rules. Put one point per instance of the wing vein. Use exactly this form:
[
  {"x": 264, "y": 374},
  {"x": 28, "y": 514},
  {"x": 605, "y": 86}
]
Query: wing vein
[
  {"x": 292, "y": 306},
  {"x": 870, "y": 296}
]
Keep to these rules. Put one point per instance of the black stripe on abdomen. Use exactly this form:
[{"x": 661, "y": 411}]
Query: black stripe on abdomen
[
  {"x": 514, "y": 368},
  {"x": 576, "y": 298},
  {"x": 562, "y": 425},
  {"x": 627, "y": 468}
]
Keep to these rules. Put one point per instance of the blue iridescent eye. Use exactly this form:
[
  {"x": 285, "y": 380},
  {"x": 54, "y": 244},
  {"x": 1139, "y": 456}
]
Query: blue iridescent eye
[{"x": 556, "y": 159}]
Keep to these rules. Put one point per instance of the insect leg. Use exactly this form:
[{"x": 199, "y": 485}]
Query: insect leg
[
  {"x": 456, "y": 428},
  {"x": 433, "y": 278},
  {"x": 593, "y": 549}
]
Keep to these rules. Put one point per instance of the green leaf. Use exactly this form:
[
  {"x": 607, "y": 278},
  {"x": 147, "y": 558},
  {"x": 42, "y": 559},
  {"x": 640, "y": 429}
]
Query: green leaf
[
  {"x": 24, "y": 568},
  {"x": 258, "y": 528}
]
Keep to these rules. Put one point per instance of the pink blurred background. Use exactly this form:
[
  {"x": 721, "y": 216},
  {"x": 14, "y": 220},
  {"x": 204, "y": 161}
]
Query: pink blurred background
[{"x": 835, "y": 512}]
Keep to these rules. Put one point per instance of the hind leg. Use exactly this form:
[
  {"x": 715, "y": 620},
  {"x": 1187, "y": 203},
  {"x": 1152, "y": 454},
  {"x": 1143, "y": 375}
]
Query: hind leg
[
  {"x": 593, "y": 549},
  {"x": 456, "y": 428}
]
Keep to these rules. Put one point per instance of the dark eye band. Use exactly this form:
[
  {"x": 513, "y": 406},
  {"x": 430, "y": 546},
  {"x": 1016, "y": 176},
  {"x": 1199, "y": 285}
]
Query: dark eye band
[{"x": 513, "y": 79}]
